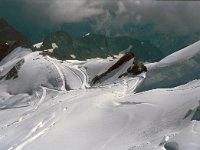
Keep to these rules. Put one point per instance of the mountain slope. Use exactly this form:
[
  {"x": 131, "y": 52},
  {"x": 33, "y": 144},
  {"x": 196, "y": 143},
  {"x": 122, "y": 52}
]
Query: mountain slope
[
  {"x": 97, "y": 45},
  {"x": 176, "y": 69},
  {"x": 10, "y": 39},
  {"x": 50, "y": 104},
  {"x": 8, "y": 33}
]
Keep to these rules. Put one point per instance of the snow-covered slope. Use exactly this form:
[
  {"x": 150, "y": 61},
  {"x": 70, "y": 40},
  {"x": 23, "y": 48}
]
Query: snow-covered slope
[
  {"x": 50, "y": 104},
  {"x": 176, "y": 69}
]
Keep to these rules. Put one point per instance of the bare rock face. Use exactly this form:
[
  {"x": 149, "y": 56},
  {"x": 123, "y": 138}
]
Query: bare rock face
[
  {"x": 10, "y": 39},
  {"x": 136, "y": 69}
]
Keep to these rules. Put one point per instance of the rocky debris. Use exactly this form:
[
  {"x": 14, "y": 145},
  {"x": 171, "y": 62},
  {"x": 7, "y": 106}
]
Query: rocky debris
[{"x": 136, "y": 69}]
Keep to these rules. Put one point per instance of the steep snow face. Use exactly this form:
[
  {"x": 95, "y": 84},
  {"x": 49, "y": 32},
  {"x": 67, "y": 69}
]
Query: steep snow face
[
  {"x": 49, "y": 104},
  {"x": 176, "y": 69},
  {"x": 35, "y": 71},
  {"x": 99, "y": 119},
  {"x": 15, "y": 55},
  {"x": 24, "y": 71}
]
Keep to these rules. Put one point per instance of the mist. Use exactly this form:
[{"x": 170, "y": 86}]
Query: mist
[{"x": 104, "y": 15}]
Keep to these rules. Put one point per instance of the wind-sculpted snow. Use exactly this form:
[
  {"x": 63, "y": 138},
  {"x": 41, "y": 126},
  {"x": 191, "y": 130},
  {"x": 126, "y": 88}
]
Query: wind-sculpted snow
[
  {"x": 176, "y": 69},
  {"x": 38, "y": 71},
  {"x": 51, "y": 104},
  {"x": 26, "y": 72},
  {"x": 15, "y": 55},
  {"x": 34, "y": 72}
]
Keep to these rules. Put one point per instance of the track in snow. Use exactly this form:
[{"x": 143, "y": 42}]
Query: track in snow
[
  {"x": 44, "y": 93},
  {"x": 84, "y": 80},
  {"x": 59, "y": 72}
]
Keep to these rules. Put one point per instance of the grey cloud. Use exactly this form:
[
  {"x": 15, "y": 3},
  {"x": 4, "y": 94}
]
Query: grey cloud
[
  {"x": 59, "y": 11},
  {"x": 181, "y": 17}
]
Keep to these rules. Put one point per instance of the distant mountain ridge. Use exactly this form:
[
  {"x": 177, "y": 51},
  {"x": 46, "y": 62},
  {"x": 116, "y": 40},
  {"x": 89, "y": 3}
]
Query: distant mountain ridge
[
  {"x": 97, "y": 45},
  {"x": 8, "y": 33},
  {"x": 81, "y": 48},
  {"x": 10, "y": 39}
]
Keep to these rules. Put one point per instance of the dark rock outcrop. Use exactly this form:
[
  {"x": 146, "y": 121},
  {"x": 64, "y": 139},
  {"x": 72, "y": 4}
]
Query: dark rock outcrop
[
  {"x": 10, "y": 39},
  {"x": 136, "y": 69},
  {"x": 64, "y": 43},
  {"x": 97, "y": 45}
]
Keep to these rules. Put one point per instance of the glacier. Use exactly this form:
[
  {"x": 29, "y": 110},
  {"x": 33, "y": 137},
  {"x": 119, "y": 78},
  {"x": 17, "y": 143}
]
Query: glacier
[{"x": 47, "y": 103}]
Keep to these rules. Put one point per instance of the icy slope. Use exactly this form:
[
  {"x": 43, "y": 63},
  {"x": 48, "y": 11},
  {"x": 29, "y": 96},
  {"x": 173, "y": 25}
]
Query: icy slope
[
  {"x": 176, "y": 69},
  {"x": 100, "y": 119},
  {"x": 26, "y": 72},
  {"x": 35, "y": 71},
  {"x": 51, "y": 105}
]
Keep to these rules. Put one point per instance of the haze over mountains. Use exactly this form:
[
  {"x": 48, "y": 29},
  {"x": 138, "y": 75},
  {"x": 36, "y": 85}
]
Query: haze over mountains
[
  {"x": 85, "y": 47},
  {"x": 97, "y": 45},
  {"x": 168, "y": 25},
  {"x": 168, "y": 42}
]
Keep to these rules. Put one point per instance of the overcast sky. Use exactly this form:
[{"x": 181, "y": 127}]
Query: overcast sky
[{"x": 181, "y": 17}]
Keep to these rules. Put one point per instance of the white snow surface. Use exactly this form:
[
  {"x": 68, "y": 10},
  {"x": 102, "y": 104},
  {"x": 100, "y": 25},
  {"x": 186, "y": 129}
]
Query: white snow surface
[
  {"x": 87, "y": 34},
  {"x": 51, "y": 104},
  {"x": 38, "y": 45},
  {"x": 176, "y": 69}
]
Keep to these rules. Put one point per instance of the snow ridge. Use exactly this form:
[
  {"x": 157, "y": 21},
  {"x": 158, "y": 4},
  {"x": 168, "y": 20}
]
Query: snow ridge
[
  {"x": 52, "y": 105},
  {"x": 59, "y": 72}
]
